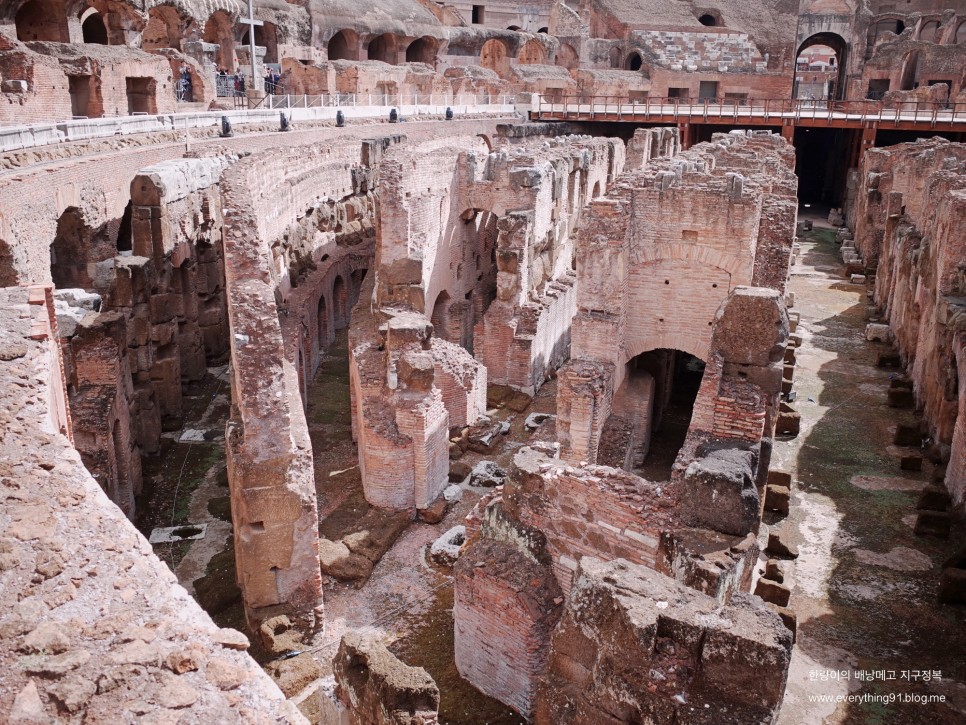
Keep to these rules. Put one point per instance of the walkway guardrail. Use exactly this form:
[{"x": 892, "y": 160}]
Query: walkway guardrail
[
  {"x": 16, "y": 138},
  {"x": 369, "y": 100},
  {"x": 753, "y": 111}
]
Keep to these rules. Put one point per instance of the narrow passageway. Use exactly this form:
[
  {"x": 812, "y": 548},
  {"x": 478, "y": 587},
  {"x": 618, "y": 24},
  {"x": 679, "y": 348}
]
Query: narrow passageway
[
  {"x": 863, "y": 586},
  {"x": 672, "y": 430}
]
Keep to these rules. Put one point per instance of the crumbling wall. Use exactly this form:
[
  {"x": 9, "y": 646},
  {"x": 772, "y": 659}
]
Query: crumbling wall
[
  {"x": 907, "y": 216},
  {"x": 155, "y": 317},
  {"x": 642, "y": 648},
  {"x": 378, "y": 689},
  {"x": 526, "y": 330},
  {"x": 274, "y": 511}
]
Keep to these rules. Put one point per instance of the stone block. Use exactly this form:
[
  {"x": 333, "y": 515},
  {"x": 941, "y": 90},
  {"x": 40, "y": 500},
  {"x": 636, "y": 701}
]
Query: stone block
[
  {"x": 907, "y": 435},
  {"x": 774, "y": 571},
  {"x": 628, "y": 624},
  {"x": 777, "y": 498},
  {"x": 435, "y": 512},
  {"x": 720, "y": 491},
  {"x": 458, "y": 471},
  {"x": 934, "y": 498},
  {"x": 379, "y": 689},
  {"x": 933, "y": 523},
  {"x": 952, "y": 586},
  {"x": 876, "y": 332},
  {"x": 788, "y": 617},
  {"x": 488, "y": 474},
  {"x": 780, "y": 478},
  {"x": 773, "y": 592},
  {"x": 339, "y": 562},
  {"x": 789, "y": 421},
  {"x": 911, "y": 463},
  {"x": 780, "y": 544}
]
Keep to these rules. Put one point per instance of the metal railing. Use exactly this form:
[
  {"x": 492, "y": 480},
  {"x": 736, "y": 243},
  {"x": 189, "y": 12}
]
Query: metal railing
[
  {"x": 760, "y": 111},
  {"x": 387, "y": 100}
]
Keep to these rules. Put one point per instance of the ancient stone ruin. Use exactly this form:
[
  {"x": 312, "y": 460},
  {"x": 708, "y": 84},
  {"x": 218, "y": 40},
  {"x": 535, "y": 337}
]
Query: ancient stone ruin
[{"x": 416, "y": 362}]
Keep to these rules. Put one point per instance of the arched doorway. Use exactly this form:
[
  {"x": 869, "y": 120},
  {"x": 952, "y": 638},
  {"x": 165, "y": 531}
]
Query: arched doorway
[
  {"x": 344, "y": 45},
  {"x": 42, "y": 20},
  {"x": 820, "y": 68},
  {"x": 439, "y": 316},
  {"x": 493, "y": 55},
  {"x": 422, "y": 50},
  {"x": 383, "y": 48},
  {"x": 532, "y": 53},
  {"x": 614, "y": 56},
  {"x": 929, "y": 32},
  {"x": 165, "y": 29},
  {"x": 218, "y": 30},
  {"x": 567, "y": 57},
  {"x": 8, "y": 275},
  {"x": 656, "y": 400},
  {"x": 92, "y": 28},
  {"x": 69, "y": 252},
  {"x": 633, "y": 61}
]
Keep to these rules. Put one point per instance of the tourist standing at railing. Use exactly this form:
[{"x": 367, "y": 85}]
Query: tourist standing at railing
[{"x": 184, "y": 84}]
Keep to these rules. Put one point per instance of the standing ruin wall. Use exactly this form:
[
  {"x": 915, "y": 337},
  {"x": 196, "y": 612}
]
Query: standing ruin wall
[
  {"x": 909, "y": 207},
  {"x": 660, "y": 254}
]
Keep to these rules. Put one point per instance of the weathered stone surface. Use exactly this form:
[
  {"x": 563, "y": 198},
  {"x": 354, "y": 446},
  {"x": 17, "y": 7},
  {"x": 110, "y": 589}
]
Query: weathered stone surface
[
  {"x": 721, "y": 493},
  {"x": 631, "y": 640},
  {"x": 338, "y": 561},
  {"x": 773, "y": 592},
  {"x": 378, "y": 689}
]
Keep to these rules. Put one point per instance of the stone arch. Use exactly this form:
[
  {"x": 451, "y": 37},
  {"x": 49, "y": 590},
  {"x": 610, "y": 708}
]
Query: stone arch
[
  {"x": 929, "y": 32},
  {"x": 493, "y": 55},
  {"x": 710, "y": 19},
  {"x": 164, "y": 29},
  {"x": 384, "y": 48},
  {"x": 266, "y": 36},
  {"x": 567, "y": 57},
  {"x": 532, "y": 53},
  {"x": 423, "y": 50},
  {"x": 93, "y": 29},
  {"x": 69, "y": 251},
  {"x": 344, "y": 45},
  {"x": 543, "y": 31},
  {"x": 633, "y": 61},
  {"x": 837, "y": 43},
  {"x": 8, "y": 274},
  {"x": 486, "y": 139},
  {"x": 438, "y": 315},
  {"x": 883, "y": 25},
  {"x": 219, "y": 30},
  {"x": 514, "y": 28},
  {"x": 340, "y": 303},
  {"x": 42, "y": 20}
]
